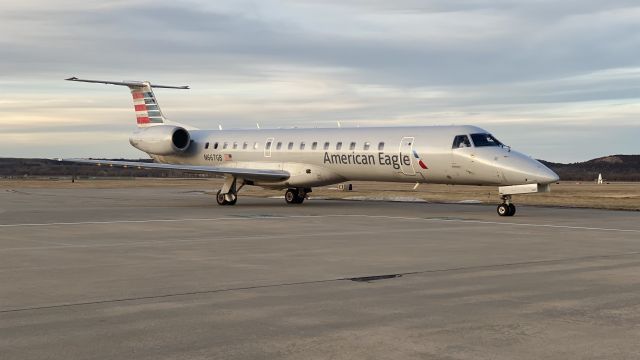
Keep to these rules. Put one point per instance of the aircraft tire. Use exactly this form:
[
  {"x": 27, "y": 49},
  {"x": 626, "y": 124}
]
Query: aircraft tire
[
  {"x": 221, "y": 200},
  {"x": 512, "y": 210},
  {"x": 292, "y": 196},
  {"x": 234, "y": 201},
  {"x": 503, "y": 210}
]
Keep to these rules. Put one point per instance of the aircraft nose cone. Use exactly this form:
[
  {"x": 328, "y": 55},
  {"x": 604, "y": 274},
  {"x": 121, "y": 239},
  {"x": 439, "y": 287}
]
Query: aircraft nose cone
[
  {"x": 546, "y": 176},
  {"x": 520, "y": 169}
]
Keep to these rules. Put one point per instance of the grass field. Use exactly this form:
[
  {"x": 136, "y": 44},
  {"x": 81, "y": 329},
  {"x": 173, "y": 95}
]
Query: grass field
[{"x": 624, "y": 196}]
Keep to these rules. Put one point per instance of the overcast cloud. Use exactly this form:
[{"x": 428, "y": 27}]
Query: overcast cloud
[{"x": 559, "y": 80}]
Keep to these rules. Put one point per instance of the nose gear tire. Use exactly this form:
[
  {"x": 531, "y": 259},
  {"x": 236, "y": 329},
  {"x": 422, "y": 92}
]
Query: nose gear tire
[{"x": 506, "y": 209}]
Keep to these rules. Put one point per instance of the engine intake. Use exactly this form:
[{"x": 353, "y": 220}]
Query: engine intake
[{"x": 161, "y": 140}]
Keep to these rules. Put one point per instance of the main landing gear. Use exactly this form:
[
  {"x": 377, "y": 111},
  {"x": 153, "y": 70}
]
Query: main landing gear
[
  {"x": 226, "y": 199},
  {"x": 228, "y": 195},
  {"x": 296, "y": 196},
  {"x": 506, "y": 208}
]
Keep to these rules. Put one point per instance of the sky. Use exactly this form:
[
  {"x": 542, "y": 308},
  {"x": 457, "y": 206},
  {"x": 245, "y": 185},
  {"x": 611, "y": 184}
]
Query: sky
[{"x": 558, "y": 80}]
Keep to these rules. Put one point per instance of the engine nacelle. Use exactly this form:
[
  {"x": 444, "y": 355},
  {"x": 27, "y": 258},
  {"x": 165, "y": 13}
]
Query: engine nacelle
[{"x": 161, "y": 140}]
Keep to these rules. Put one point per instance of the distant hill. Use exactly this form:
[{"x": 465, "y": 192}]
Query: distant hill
[
  {"x": 25, "y": 167},
  {"x": 612, "y": 168}
]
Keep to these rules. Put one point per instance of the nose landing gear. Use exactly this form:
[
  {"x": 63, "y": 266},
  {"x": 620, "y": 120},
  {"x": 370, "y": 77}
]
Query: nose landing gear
[{"x": 506, "y": 208}]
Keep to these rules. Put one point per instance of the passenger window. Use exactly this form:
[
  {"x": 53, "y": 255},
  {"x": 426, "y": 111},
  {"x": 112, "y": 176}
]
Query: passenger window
[
  {"x": 326, "y": 145},
  {"x": 339, "y": 145},
  {"x": 352, "y": 146},
  {"x": 255, "y": 145},
  {"x": 314, "y": 145},
  {"x": 366, "y": 146},
  {"x": 381, "y": 146},
  {"x": 235, "y": 145},
  {"x": 268, "y": 146},
  {"x": 461, "y": 141},
  {"x": 290, "y": 147},
  {"x": 215, "y": 145},
  {"x": 244, "y": 146},
  {"x": 302, "y": 145},
  {"x": 279, "y": 145},
  {"x": 225, "y": 145},
  {"x": 206, "y": 146}
]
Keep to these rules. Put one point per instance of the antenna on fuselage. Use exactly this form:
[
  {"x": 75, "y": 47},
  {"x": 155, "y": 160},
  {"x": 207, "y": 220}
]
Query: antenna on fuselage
[
  {"x": 258, "y": 125},
  {"x": 219, "y": 127},
  {"x": 339, "y": 125}
]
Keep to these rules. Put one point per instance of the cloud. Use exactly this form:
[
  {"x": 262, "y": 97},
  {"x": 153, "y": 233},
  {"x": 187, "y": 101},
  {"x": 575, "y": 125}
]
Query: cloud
[{"x": 309, "y": 63}]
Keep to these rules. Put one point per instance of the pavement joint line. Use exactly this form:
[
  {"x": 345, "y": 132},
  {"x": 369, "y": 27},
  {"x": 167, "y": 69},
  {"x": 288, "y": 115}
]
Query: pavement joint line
[
  {"x": 119, "y": 222},
  {"x": 309, "y": 282},
  {"x": 468, "y": 221},
  {"x": 485, "y": 222}
]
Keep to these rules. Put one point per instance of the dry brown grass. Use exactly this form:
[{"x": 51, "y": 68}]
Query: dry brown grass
[{"x": 570, "y": 194}]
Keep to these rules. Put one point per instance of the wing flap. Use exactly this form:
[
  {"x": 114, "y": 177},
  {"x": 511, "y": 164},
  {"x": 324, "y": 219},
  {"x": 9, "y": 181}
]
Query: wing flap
[{"x": 245, "y": 173}]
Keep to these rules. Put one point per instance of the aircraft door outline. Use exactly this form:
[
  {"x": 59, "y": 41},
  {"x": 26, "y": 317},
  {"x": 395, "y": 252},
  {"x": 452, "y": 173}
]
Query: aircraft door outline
[{"x": 406, "y": 149}]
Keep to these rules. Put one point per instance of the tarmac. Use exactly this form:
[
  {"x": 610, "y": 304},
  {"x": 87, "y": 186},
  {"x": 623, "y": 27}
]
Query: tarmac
[{"x": 165, "y": 273}]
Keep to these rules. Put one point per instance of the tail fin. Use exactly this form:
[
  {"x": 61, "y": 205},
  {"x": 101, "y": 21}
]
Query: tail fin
[
  {"x": 146, "y": 106},
  {"x": 148, "y": 112}
]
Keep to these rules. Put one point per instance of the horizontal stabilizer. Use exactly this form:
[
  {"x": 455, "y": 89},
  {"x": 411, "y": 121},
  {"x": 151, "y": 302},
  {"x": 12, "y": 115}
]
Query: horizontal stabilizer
[
  {"x": 128, "y": 83},
  {"x": 245, "y": 173}
]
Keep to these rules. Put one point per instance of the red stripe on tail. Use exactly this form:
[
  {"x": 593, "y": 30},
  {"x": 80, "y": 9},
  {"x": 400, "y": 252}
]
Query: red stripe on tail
[
  {"x": 143, "y": 120},
  {"x": 138, "y": 95},
  {"x": 142, "y": 107}
]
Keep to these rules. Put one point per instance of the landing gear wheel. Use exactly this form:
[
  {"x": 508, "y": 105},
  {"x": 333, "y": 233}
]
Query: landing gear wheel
[
  {"x": 292, "y": 196},
  {"x": 512, "y": 210},
  {"x": 221, "y": 199},
  {"x": 503, "y": 210}
]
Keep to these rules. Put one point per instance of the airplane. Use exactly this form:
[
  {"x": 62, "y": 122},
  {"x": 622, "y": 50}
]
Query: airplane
[{"x": 297, "y": 160}]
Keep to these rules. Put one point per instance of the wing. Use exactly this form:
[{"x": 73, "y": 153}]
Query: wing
[{"x": 245, "y": 173}]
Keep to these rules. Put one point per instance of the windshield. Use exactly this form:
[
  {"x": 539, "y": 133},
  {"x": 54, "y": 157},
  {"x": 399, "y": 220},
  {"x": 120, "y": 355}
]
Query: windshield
[
  {"x": 485, "y": 140},
  {"x": 461, "y": 141}
]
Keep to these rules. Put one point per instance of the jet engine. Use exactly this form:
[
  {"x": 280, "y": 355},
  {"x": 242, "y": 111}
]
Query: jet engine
[{"x": 161, "y": 140}]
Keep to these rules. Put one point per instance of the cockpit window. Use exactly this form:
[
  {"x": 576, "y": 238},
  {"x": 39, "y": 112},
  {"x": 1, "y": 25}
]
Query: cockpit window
[
  {"x": 484, "y": 140},
  {"x": 461, "y": 141}
]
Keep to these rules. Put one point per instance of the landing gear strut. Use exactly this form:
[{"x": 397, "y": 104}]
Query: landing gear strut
[
  {"x": 506, "y": 208},
  {"x": 296, "y": 196}
]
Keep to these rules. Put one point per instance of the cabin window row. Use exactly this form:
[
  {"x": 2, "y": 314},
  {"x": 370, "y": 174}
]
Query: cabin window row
[{"x": 290, "y": 145}]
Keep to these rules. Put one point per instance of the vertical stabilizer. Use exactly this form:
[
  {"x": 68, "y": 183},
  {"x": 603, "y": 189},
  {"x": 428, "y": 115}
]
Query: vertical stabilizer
[
  {"x": 148, "y": 112},
  {"x": 146, "y": 106}
]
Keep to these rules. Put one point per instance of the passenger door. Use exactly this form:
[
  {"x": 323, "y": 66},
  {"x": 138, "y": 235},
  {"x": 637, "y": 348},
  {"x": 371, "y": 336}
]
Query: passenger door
[{"x": 406, "y": 156}]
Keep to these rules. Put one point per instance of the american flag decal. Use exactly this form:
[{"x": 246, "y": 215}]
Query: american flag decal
[
  {"x": 227, "y": 157},
  {"x": 422, "y": 164}
]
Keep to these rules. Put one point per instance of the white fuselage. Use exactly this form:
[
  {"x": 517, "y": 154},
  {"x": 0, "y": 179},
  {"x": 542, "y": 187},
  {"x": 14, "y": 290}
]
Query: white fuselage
[{"x": 316, "y": 157}]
